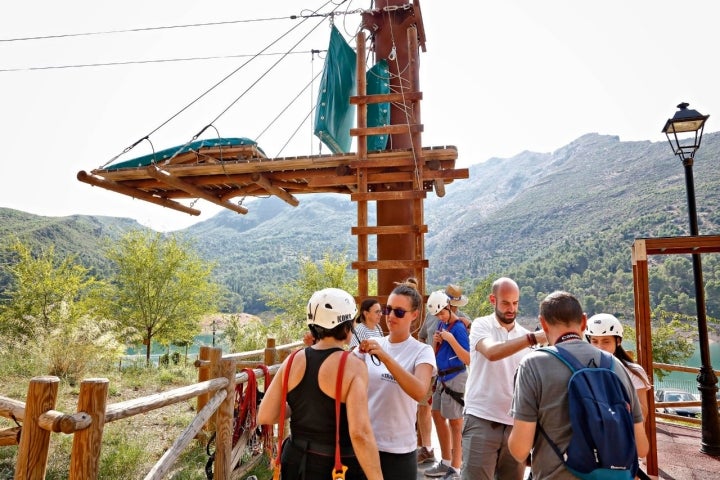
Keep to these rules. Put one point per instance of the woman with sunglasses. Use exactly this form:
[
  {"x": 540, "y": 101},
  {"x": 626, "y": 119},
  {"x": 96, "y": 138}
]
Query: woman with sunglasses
[
  {"x": 368, "y": 322},
  {"x": 399, "y": 372}
]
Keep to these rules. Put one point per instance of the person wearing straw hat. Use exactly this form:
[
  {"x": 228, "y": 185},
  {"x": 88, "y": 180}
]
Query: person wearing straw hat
[{"x": 456, "y": 299}]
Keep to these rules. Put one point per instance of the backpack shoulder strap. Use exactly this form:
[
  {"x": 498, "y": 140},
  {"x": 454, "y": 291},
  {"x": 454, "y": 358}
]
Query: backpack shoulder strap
[{"x": 563, "y": 355}]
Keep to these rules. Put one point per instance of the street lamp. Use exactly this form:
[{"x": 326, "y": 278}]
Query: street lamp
[{"x": 684, "y": 133}]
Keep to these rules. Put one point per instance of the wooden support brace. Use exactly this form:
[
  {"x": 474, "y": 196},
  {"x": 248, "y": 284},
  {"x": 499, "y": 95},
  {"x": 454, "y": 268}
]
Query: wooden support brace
[
  {"x": 166, "y": 177},
  {"x": 134, "y": 193},
  {"x": 270, "y": 188}
]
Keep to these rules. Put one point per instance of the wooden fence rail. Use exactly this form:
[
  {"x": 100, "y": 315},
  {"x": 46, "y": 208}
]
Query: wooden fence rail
[{"x": 215, "y": 393}]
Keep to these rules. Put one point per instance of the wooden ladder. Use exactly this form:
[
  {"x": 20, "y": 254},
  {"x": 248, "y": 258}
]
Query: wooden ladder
[{"x": 405, "y": 166}]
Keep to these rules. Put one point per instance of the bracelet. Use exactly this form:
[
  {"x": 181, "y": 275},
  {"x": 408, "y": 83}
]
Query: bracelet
[{"x": 532, "y": 339}]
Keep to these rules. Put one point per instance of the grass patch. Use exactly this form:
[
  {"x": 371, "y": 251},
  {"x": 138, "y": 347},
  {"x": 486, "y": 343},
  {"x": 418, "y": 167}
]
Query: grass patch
[{"x": 130, "y": 446}]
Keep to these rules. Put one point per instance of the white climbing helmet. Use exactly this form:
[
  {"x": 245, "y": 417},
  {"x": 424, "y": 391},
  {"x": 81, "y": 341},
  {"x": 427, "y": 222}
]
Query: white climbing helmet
[
  {"x": 603, "y": 324},
  {"x": 329, "y": 307},
  {"x": 436, "y": 301}
]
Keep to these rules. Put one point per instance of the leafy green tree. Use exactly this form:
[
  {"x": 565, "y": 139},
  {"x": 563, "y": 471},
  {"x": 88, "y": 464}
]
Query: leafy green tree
[
  {"x": 55, "y": 314},
  {"x": 478, "y": 301},
  {"x": 290, "y": 299},
  {"x": 162, "y": 287},
  {"x": 672, "y": 339},
  {"x": 46, "y": 292}
]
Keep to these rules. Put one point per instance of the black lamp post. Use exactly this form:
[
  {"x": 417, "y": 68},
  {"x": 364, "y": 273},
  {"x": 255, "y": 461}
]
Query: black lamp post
[
  {"x": 684, "y": 132},
  {"x": 213, "y": 331}
]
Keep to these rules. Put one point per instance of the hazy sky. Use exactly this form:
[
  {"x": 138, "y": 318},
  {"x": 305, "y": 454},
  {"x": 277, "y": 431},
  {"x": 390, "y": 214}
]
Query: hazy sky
[{"x": 498, "y": 78}]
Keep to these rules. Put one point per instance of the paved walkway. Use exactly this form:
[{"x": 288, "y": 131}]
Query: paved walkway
[{"x": 679, "y": 456}]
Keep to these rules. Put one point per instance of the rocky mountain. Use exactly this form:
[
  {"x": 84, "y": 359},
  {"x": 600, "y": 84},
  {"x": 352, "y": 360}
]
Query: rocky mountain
[{"x": 552, "y": 219}]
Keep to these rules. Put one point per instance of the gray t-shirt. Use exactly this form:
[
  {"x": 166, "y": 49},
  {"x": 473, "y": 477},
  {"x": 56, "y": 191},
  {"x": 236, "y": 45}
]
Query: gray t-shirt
[{"x": 541, "y": 396}]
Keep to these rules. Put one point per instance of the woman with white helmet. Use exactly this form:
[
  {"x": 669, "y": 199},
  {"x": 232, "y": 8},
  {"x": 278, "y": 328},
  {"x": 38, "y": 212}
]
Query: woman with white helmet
[
  {"x": 452, "y": 353},
  {"x": 309, "y": 452},
  {"x": 606, "y": 333}
]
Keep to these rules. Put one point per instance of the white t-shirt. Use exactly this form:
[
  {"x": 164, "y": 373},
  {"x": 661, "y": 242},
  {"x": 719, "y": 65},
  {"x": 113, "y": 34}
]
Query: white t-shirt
[
  {"x": 489, "y": 387},
  {"x": 392, "y": 411}
]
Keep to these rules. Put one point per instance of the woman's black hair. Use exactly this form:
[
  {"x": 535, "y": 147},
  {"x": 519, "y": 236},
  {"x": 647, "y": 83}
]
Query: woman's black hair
[
  {"x": 339, "y": 332},
  {"x": 365, "y": 306}
]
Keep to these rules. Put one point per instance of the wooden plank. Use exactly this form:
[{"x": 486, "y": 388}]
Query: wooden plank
[
  {"x": 391, "y": 177},
  {"x": 389, "y": 230},
  {"x": 277, "y": 165},
  {"x": 387, "y": 130},
  {"x": 382, "y": 196},
  {"x": 682, "y": 245},
  {"x": 405, "y": 97},
  {"x": 390, "y": 264}
]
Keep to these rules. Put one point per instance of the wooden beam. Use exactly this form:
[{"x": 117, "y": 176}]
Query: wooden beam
[
  {"x": 270, "y": 188},
  {"x": 390, "y": 195},
  {"x": 389, "y": 230},
  {"x": 387, "y": 130},
  {"x": 131, "y": 192},
  {"x": 166, "y": 177},
  {"x": 386, "y": 97}
]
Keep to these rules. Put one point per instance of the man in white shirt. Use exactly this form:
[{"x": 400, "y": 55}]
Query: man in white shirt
[{"x": 497, "y": 344}]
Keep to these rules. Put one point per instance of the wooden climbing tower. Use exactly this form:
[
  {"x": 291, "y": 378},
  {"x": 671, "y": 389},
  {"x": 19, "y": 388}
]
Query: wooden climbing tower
[{"x": 395, "y": 181}]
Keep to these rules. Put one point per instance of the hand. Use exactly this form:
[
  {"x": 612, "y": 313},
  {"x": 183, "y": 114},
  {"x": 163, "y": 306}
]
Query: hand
[{"x": 541, "y": 337}]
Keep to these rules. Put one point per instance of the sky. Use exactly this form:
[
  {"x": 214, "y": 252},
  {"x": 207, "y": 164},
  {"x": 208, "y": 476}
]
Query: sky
[{"x": 80, "y": 81}]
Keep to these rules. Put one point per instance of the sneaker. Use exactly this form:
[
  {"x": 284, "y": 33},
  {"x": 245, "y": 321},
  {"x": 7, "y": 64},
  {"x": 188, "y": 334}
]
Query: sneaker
[
  {"x": 452, "y": 474},
  {"x": 425, "y": 455},
  {"x": 438, "y": 470}
]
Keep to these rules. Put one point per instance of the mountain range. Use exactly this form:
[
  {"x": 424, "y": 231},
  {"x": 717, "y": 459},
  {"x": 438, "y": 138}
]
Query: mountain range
[{"x": 562, "y": 219}]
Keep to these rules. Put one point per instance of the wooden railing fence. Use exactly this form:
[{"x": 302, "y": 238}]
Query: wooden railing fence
[{"x": 215, "y": 393}]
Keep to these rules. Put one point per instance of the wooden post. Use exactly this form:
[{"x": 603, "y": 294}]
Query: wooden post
[
  {"x": 85, "y": 455},
  {"x": 643, "y": 342},
  {"x": 271, "y": 354},
  {"x": 224, "y": 423},
  {"x": 203, "y": 375},
  {"x": 32, "y": 453}
]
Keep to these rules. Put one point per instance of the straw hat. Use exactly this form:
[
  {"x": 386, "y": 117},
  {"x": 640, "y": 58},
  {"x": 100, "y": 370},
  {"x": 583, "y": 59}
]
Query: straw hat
[{"x": 455, "y": 293}]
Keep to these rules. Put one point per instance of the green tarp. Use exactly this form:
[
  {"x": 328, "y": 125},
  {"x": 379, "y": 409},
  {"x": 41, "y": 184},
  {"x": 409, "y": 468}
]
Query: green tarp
[
  {"x": 378, "y": 114},
  {"x": 163, "y": 155},
  {"x": 334, "y": 116}
]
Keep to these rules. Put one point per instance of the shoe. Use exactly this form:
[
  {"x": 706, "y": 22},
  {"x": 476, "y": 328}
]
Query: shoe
[
  {"x": 452, "y": 474},
  {"x": 438, "y": 470},
  {"x": 424, "y": 455}
]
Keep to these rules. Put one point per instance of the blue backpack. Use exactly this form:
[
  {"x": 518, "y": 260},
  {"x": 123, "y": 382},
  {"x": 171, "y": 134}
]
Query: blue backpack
[{"x": 602, "y": 446}]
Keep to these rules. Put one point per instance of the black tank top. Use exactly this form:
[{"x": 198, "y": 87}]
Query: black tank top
[{"x": 313, "y": 412}]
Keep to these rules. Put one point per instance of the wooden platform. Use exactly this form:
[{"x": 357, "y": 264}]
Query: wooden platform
[{"x": 221, "y": 174}]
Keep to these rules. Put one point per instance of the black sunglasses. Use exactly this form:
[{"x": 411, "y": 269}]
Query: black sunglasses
[{"x": 399, "y": 312}]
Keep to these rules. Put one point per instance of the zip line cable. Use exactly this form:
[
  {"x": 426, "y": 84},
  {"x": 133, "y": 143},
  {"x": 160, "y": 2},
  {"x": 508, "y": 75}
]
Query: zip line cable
[
  {"x": 146, "y": 29},
  {"x": 127, "y": 149},
  {"x": 142, "y": 62}
]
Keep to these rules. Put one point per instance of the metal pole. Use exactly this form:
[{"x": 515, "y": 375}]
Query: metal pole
[{"x": 707, "y": 381}]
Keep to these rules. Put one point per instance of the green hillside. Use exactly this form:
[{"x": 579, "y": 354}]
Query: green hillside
[{"x": 564, "y": 219}]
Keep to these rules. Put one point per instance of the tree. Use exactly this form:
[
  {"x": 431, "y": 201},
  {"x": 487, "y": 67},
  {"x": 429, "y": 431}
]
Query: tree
[
  {"x": 478, "y": 301},
  {"x": 291, "y": 298},
  {"x": 163, "y": 287},
  {"x": 55, "y": 315},
  {"x": 46, "y": 292},
  {"x": 672, "y": 339}
]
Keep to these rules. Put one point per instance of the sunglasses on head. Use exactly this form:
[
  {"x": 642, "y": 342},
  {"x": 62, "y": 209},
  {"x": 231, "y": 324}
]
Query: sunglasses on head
[{"x": 399, "y": 312}]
